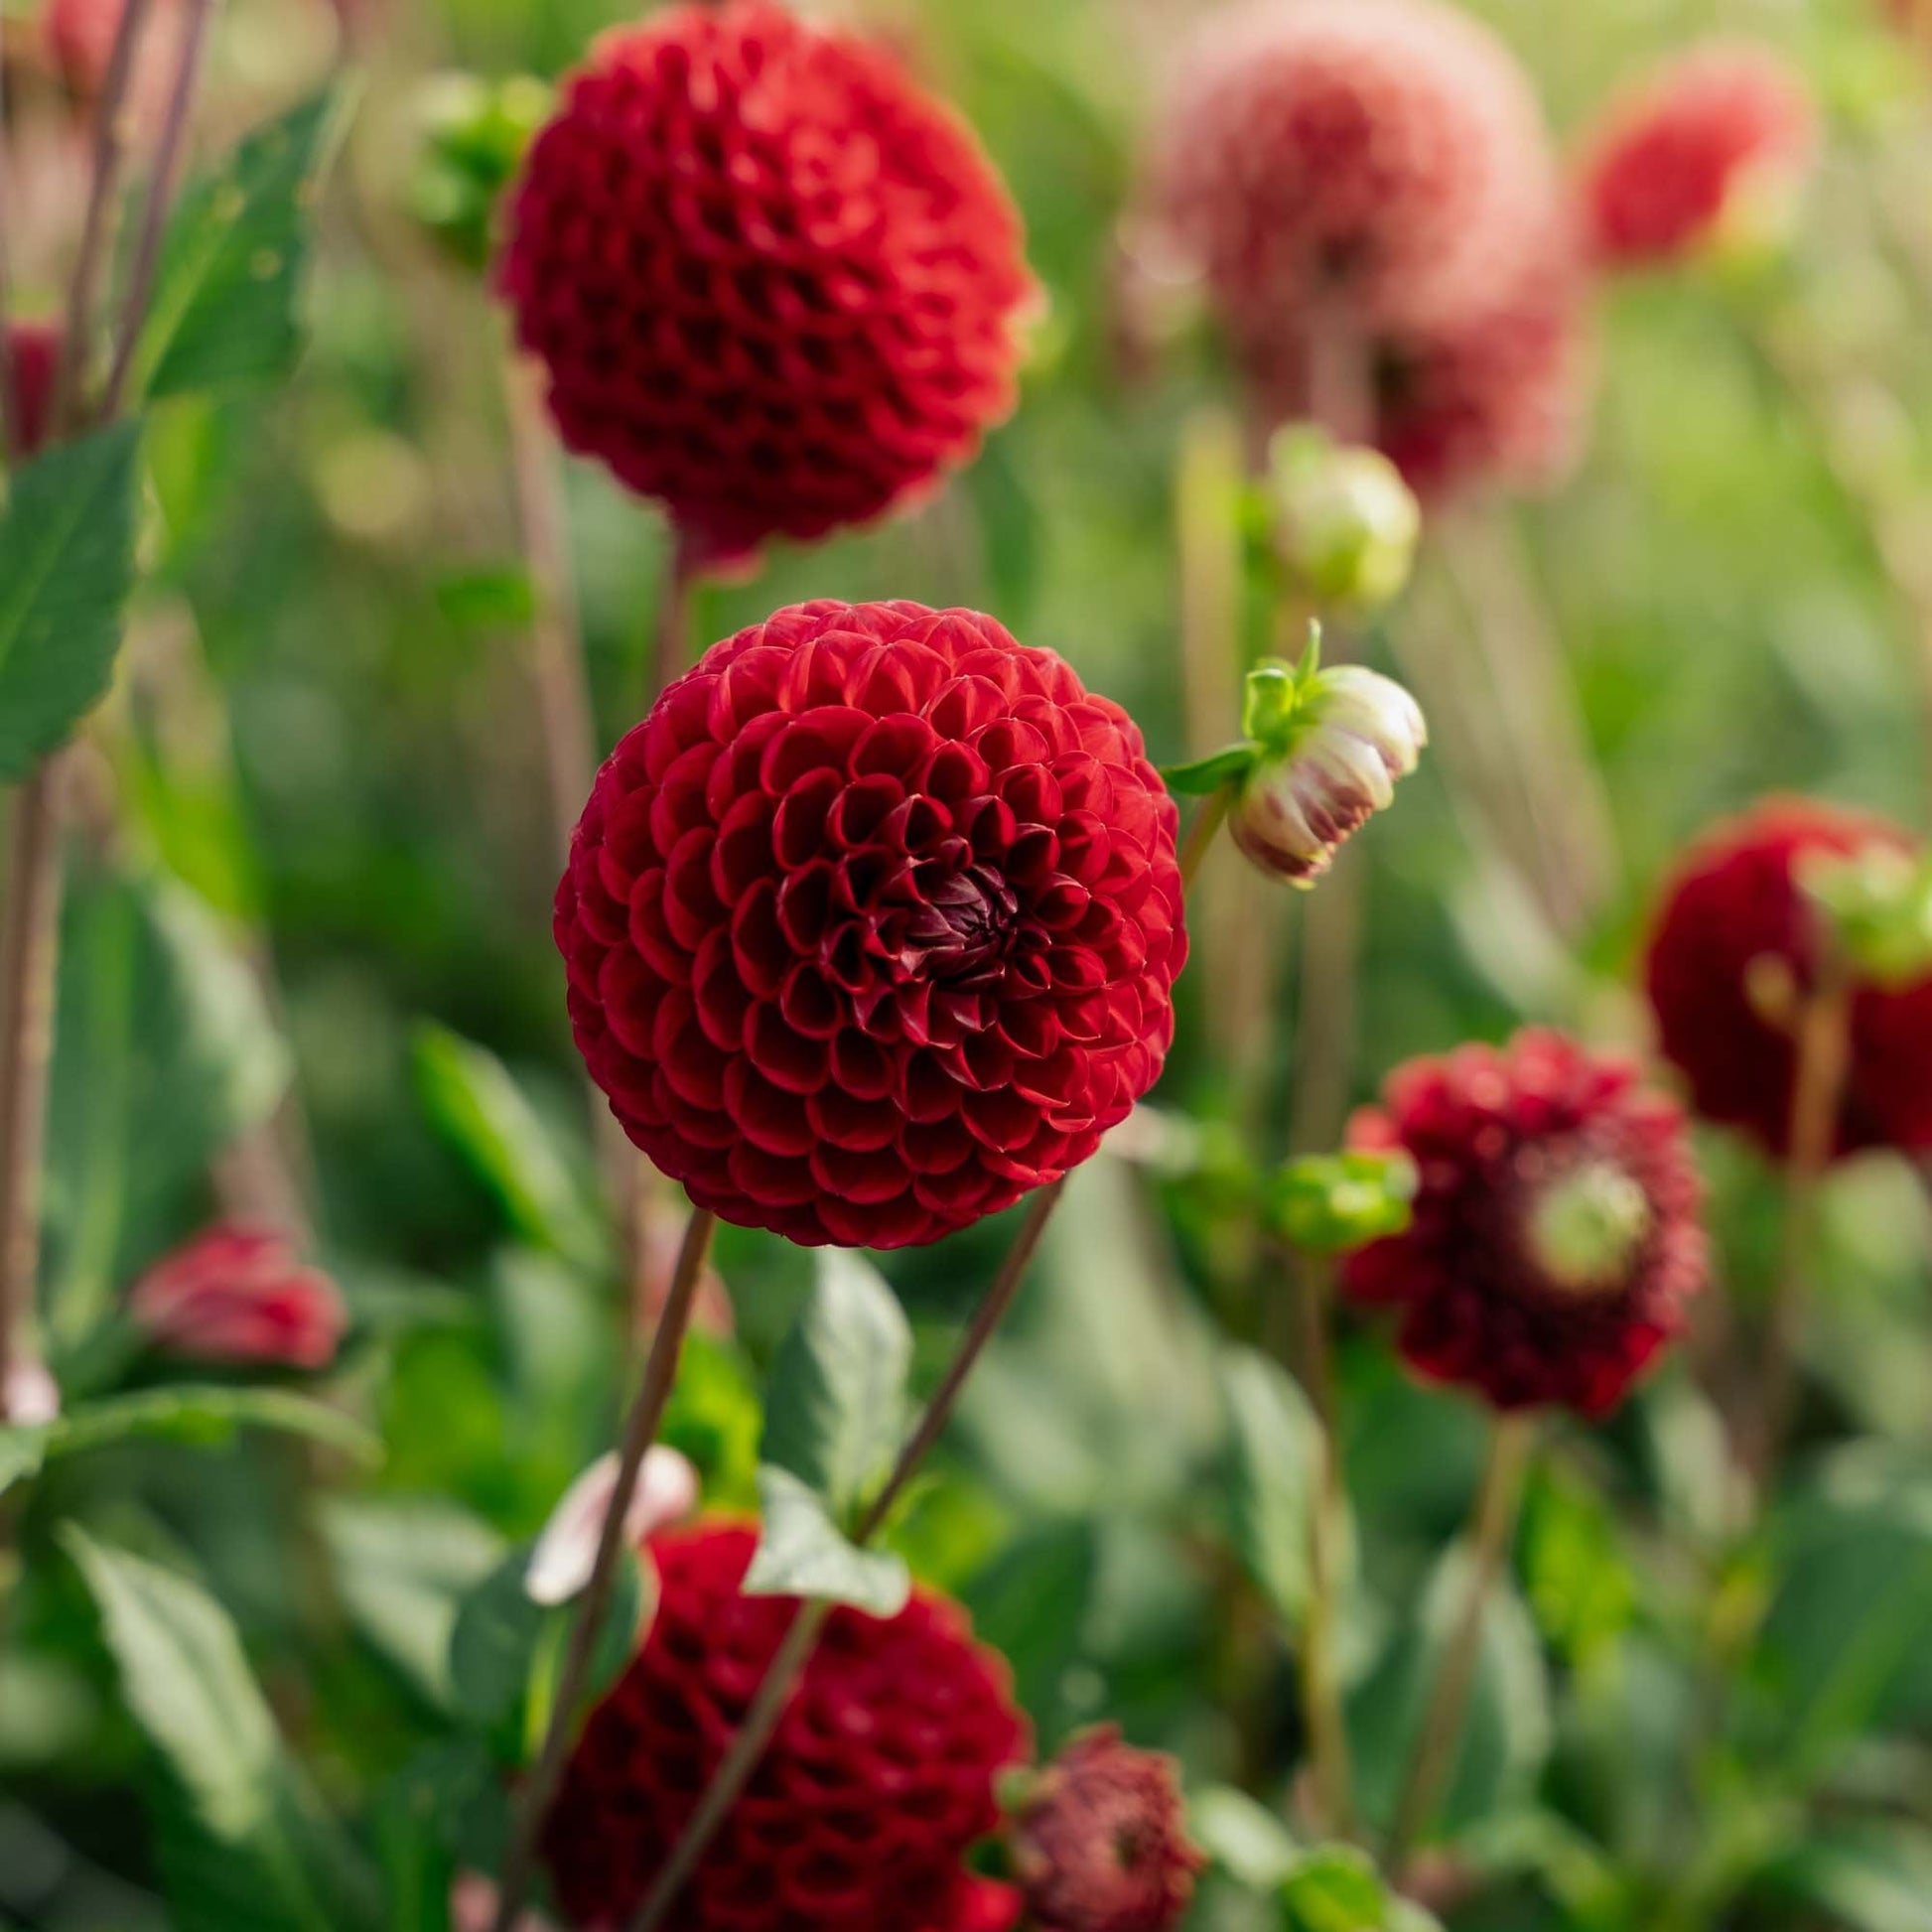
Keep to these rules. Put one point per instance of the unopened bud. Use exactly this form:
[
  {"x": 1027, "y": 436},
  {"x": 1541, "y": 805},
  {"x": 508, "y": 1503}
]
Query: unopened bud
[
  {"x": 1331, "y": 745},
  {"x": 1879, "y": 905},
  {"x": 475, "y": 134},
  {"x": 1346, "y": 524},
  {"x": 1334, "y": 1203}
]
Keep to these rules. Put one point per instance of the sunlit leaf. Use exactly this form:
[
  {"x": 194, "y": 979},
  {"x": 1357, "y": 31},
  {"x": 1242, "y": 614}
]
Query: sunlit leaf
[{"x": 802, "y": 1553}]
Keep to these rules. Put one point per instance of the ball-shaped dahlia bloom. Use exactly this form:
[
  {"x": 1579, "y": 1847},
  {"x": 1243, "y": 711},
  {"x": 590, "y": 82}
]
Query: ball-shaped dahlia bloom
[
  {"x": 1735, "y": 919},
  {"x": 1374, "y": 161},
  {"x": 872, "y": 925},
  {"x": 1100, "y": 1843},
  {"x": 880, "y": 1777},
  {"x": 1712, "y": 149},
  {"x": 1555, "y": 1234},
  {"x": 238, "y": 1294},
  {"x": 773, "y": 284}
]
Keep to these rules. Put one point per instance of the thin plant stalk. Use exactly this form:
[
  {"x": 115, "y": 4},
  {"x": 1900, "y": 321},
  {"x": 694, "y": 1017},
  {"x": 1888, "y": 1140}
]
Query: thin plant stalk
[
  {"x": 773, "y": 1693},
  {"x": 1321, "y": 1665},
  {"x": 1822, "y": 1045},
  {"x": 9, "y": 412},
  {"x": 109, "y": 155},
  {"x": 646, "y": 1417},
  {"x": 168, "y": 153},
  {"x": 1499, "y": 1502},
  {"x": 29, "y": 952},
  {"x": 1208, "y": 821}
]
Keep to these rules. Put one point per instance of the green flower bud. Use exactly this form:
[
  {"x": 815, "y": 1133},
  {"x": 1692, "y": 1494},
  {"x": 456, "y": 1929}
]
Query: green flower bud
[
  {"x": 1879, "y": 904},
  {"x": 475, "y": 134},
  {"x": 1334, "y": 1203},
  {"x": 1346, "y": 524}
]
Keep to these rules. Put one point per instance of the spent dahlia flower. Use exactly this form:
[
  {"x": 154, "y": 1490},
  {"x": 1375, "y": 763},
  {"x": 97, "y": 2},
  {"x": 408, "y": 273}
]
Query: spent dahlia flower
[
  {"x": 1555, "y": 1236},
  {"x": 239, "y": 1294},
  {"x": 1710, "y": 151},
  {"x": 1374, "y": 160},
  {"x": 1737, "y": 920},
  {"x": 772, "y": 283},
  {"x": 1099, "y": 1843},
  {"x": 872, "y": 925},
  {"x": 880, "y": 1777}
]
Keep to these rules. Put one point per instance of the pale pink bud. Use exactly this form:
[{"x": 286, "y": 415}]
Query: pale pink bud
[{"x": 566, "y": 1552}]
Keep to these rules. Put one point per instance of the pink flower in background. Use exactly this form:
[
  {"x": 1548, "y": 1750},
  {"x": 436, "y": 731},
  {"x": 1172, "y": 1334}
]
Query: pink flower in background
[
  {"x": 473, "y": 1907},
  {"x": 240, "y": 1294},
  {"x": 1714, "y": 147},
  {"x": 31, "y": 1396}
]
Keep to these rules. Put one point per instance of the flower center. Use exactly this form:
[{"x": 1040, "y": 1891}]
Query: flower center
[
  {"x": 1585, "y": 1226},
  {"x": 961, "y": 934}
]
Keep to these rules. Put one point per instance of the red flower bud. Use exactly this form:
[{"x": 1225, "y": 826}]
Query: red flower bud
[{"x": 239, "y": 1294}]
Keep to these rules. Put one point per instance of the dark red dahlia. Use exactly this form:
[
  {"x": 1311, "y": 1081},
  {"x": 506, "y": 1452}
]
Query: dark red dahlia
[
  {"x": 1555, "y": 1234},
  {"x": 239, "y": 1294},
  {"x": 1735, "y": 907},
  {"x": 872, "y": 925},
  {"x": 775, "y": 284},
  {"x": 1499, "y": 395},
  {"x": 879, "y": 1779},
  {"x": 1100, "y": 1843},
  {"x": 1375, "y": 161},
  {"x": 1720, "y": 139}
]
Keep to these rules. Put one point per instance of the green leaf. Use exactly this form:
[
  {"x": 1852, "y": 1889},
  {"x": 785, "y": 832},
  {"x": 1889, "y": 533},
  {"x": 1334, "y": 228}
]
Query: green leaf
[
  {"x": 504, "y": 1648},
  {"x": 402, "y": 1569},
  {"x": 1211, "y": 773},
  {"x": 229, "y": 282},
  {"x": 1334, "y": 1889},
  {"x": 802, "y": 1553},
  {"x": 484, "y": 1114},
  {"x": 1506, "y": 1727},
  {"x": 1243, "y": 1836},
  {"x": 240, "y": 1839},
  {"x": 836, "y": 1408},
  {"x": 164, "y": 1051},
  {"x": 1859, "y": 1877},
  {"x": 22, "y": 1451},
  {"x": 1275, "y": 1445},
  {"x": 207, "y": 1418},
  {"x": 67, "y": 565},
  {"x": 487, "y": 599}
]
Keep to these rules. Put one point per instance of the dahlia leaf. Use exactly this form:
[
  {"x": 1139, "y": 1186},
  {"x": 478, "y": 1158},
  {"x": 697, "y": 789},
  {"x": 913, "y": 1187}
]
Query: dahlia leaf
[
  {"x": 235, "y": 1817},
  {"x": 67, "y": 565},
  {"x": 835, "y": 1411},
  {"x": 502, "y": 1650},
  {"x": 22, "y": 1451},
  {"x": 1506, "y": 1733},
  {"x": 1243, "y": 1836},
  {"x": 485, "y": 1115},
  {"x": 207, "y": 1418},
  {"x": 1212, "y": 774},
  {"x": 226, "y": 300},
  {"x": 1276, "y": 1446},
  {"x": 164, "y": 1051},
  {"x": 1334, "y": 1888},
  {"x": 803, "y": 1552}
]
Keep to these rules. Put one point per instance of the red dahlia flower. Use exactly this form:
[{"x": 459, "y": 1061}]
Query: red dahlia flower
[
  {"x": 1735, "y": 904},
  {"x": 1374, "y": 160},
  {"x": 773, "y": 284},
  {"x": 879, "y": 1779},
  {"x": 239, "y": 1294},
  {"x": 1556, "y": 1236},
  {"x": 1716, "y": 142},
  {"x": 1100, "y": 1843},
  {"x": 872, "y": 925}
]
